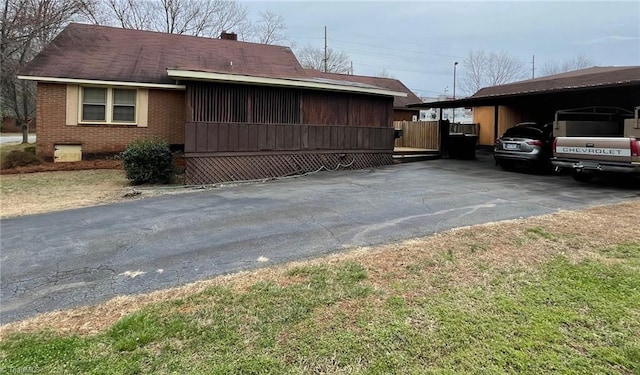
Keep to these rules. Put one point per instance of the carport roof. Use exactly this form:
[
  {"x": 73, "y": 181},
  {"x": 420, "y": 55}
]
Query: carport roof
[{"x": 583, "y": 79}]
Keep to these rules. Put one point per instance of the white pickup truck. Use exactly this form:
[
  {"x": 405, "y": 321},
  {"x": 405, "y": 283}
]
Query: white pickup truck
[{"x": 607, "y": 140}]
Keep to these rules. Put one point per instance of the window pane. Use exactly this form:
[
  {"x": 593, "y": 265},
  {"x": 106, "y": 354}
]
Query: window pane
[
  {"x": 122, "y": 96},
  {"x": 124, "y": 113},
  {"x": 92, "y": 112},
  {"x": 94, "y": 95}
]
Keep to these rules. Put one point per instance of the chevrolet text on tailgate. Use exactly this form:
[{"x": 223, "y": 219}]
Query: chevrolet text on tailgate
[{"x": 607, "y": 141}]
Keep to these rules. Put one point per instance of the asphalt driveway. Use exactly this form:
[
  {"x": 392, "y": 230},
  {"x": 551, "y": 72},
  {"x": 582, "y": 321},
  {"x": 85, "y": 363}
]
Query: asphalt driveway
[{"x": 85, "y": 256}]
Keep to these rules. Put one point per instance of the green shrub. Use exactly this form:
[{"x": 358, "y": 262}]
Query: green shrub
[
  {"x": 148, "y": 161},
  {"x": 30, "y": 149},
  {"x": 19, "y": 158}
]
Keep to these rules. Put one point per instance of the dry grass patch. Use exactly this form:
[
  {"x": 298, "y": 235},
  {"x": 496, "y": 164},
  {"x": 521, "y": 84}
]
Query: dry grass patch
[
  {"x": 41, "y": 192},
  {"x": 32, "y": 193},
  {"x": 470, "y": 256}
]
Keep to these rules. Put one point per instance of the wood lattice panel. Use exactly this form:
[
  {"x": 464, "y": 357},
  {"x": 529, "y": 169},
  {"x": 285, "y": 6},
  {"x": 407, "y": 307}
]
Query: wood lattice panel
[{"x": 214, "y": 169}]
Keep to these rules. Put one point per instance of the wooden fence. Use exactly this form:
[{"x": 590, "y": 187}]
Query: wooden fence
[{"x": 418, "y": 134}]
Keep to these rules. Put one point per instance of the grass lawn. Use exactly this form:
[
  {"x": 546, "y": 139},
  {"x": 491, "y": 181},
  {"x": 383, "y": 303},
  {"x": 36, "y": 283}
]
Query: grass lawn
[
  {"x": 31, "y": 193},
  {"x": 553, "y": 294}
]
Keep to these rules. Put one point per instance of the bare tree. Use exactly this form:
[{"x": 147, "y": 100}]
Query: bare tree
[
  {"x": 575, "y": 63},
  {"x": 27, "y": 26},
  {"x": 384, "y": 73},
  {"x": 481, "y": 69},
  {"x": 269, "y": 29},
  {"x": 314, "y": 58},
  {"x": 192, "y": 17}
]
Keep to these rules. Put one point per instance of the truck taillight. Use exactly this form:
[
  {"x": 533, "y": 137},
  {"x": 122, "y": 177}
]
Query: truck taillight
[
  {"x": 635, "y": 147},
  {"x": 555, "y": 143}
]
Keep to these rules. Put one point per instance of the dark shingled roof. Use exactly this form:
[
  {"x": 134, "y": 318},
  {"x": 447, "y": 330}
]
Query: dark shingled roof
[
  {"x": 583, "y": 78},
  {"x": 591, "y": 79},
  {"x": 105, "y": 53},
  {"x": 387, "y": 83},
  {"x": 114, "y": 54}
]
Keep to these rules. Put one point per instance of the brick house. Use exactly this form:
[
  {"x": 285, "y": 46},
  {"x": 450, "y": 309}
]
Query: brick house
[{"x": 238, "y": 110}]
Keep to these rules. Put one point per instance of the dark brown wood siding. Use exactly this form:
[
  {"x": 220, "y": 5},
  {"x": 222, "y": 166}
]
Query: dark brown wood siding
[
  {"x": 208, "y": 102},
  {"x": 241, "y": 103},
  {"x": 209, "y": 137},
  {"x": 332, "y": 108},
  {"x": 225, "y": 118}
]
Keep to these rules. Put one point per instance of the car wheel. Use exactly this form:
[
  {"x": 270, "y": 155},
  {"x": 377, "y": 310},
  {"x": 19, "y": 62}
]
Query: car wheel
[{"x": 582, "y": 176}]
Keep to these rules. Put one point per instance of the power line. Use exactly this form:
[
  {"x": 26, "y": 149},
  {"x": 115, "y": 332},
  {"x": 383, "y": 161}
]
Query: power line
[
  {"x": 395, "y": 57},
  {"x": 397, "y": 49},
  {"x": 397, "y": 69}
]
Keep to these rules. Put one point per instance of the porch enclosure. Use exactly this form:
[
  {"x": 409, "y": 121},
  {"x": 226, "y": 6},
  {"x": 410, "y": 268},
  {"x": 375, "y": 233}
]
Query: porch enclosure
[{"x": 243, "y": 132}]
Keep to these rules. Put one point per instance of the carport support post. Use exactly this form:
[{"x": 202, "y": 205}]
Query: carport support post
[
  {"x": 496, "y": 110},
  {"x": 444, "y": 137}
]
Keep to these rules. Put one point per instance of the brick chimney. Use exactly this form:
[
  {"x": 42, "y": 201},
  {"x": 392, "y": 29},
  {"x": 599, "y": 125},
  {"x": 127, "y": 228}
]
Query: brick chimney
[{"x": 228, "y": 36}]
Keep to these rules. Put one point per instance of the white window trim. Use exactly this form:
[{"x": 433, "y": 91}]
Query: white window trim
[
  {"x": 75, "y": 104},
  {"x": 108, "y": 108}
]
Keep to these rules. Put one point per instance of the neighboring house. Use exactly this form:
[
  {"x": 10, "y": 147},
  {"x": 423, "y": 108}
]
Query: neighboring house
[
  {"x": 10, "y": 125},
  {"x": 238, "y": 110},
  {"x": 401, "y": 111},
  {"x": 498, "y": 108}
]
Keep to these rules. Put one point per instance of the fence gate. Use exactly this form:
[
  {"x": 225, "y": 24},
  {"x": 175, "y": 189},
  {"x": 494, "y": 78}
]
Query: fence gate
[{"x": 418, "y": 134}]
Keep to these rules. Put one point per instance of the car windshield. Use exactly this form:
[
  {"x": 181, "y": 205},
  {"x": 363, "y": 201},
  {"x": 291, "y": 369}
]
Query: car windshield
[{"x": 529, "y": 131}]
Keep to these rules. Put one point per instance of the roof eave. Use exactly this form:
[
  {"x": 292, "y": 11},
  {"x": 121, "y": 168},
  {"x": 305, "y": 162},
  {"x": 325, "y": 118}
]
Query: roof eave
[
  {"x": 280, "y": 82},
  {"x": 101, "y": 82},
  {"x": 475, "y": 101}
]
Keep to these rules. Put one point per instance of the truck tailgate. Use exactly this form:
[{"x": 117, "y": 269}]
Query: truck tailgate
[{"x": 587, "y": 148}]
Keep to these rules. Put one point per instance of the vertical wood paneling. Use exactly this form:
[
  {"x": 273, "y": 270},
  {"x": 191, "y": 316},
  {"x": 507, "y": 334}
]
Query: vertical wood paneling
[
  {"x": 296, "y": 138},
  {"x": 190, "y": 134},
  {"x": 201, "y": 141},
  {"x": 280, "y": 138},
  {"x": 243, "y": 137},
  {"x": 360, "y": 143},
  {"x": 211, "y": 134},
  {"x": 234, "y": 137},
  {"x": 419, "y": 134},
  {"x": 326, "y": 138},
  {"x": 219, "y": 102},
  {"x": 334, "y": 138},
  {"x": 252, "y": 135},
  {"x": 340, "y": 135},
  {"x": 262, "y": 137},
  {"x": 223, "y": 140},
  {"x": 271, "y": 137},
  {"x": 304, "y": 137},
  {"x": 354, "y": 138}
]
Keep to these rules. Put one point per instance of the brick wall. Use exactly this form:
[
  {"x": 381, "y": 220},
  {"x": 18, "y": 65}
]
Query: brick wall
[{"x": 166, "y": 120}]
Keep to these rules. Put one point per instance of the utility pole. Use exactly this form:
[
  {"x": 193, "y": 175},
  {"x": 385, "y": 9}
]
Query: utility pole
[
  {"x": 325, "y": 49},
  {"x": 533, "y": 67},
  {"x": 453, "y": 116},
  {"x": 352, "y": 68}
]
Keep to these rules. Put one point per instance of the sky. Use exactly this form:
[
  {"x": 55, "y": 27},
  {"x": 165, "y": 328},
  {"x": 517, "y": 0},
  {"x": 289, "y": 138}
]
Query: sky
[{"x": 418, "y": 42}]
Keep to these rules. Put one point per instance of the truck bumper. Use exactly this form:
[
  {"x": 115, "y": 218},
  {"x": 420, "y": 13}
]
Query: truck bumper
[{"x": 595, "y": 166}]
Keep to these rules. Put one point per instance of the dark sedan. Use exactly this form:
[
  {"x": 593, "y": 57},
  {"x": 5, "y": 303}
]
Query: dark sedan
[{"x": 527, "y": 144}]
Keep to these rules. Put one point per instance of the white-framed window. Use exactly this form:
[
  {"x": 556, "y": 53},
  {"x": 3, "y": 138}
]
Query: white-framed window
[{"x": 107, "y": 105}]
